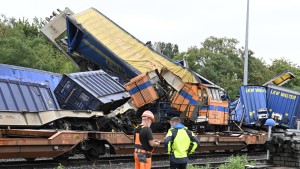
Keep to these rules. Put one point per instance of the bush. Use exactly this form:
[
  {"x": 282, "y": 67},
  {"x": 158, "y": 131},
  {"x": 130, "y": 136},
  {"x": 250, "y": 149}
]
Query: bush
[
  {"x": 238, "y": 162},
  {"x": 60, "y": 166}
]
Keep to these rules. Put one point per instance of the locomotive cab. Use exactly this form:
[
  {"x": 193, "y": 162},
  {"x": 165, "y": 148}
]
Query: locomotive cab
[{"x": 214, "y": 110}]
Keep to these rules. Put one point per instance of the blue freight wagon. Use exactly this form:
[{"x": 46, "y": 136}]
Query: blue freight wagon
[
  {"x": 23, "y": 95},
  {"x": 41, "y": 76},
  {"x": 283, "y": 106},
  {"x": 93, "y": 90},
  {"x": 101, "y": 41},
  {"x": 251, "y": 108}
]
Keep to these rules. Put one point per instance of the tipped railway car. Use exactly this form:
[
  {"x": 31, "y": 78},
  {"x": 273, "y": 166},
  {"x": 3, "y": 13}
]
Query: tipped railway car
[
  {"x": 104, "y": 44},
  {"x": 27, "y": 101},
  {"x": 98, "y": 112},
  {"x": 258, "y": 103},
  {"x": 252, "y": 106},
  {"x": 23, "y": 73},
  {"x": 283, "y": 106},
  {"x": 94, "y": 41},
  {"x": 25, "y": 95},
  {"x": 91, "y": 90}
]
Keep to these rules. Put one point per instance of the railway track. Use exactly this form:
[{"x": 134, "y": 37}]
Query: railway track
[
  {"x": 213, "y": 164},
  {"x": 110, "y": 161}
]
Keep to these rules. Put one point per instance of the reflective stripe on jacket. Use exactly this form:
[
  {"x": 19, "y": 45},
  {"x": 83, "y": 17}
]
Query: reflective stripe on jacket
[
  {"x": 179, "y": 143},
  {"x": 137, "y": 142}
]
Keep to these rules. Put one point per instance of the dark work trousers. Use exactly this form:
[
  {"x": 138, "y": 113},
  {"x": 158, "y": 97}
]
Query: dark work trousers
[{"x": 177, "y": 165}]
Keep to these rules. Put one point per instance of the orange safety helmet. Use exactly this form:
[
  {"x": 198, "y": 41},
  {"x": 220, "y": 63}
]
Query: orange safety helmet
[{"x": 148, "y": 114}]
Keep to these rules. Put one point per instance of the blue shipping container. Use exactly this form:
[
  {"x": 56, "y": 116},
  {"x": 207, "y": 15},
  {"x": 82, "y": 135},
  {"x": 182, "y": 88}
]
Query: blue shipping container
[
  {"x": 21, "y": 95},
  {"x": 252, "y": 108},
  {"x": 41, "y": 76},
  {"x": 283, "y": 105},
  {"x": 94, "y": 90}
]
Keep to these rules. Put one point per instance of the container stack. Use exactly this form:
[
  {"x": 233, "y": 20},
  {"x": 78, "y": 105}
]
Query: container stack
[{"x": 285, "y": 148}]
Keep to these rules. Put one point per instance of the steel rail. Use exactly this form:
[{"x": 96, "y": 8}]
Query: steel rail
[{"x": 107, "y": 160}]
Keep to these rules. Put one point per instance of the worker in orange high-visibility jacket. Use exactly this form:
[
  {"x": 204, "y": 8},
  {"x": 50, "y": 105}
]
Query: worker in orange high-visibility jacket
[{"x": 143, "y": 142}]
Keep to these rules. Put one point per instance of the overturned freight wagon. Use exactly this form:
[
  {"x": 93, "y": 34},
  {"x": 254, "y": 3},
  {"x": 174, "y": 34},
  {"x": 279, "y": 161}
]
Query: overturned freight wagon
[
  {"x": 92, "y": 90},
  {"x": 251, "y": 108},
  {"x": 30, "y": 104},
  {"x": 23, "y": 73},
  {"x": 257, "y": 103},
  {"x": 94, "y": 41},
  {"x": 283, "y": 106},
  {"x": 99, "y": 41},
  {"x": 24, "y": 95}
]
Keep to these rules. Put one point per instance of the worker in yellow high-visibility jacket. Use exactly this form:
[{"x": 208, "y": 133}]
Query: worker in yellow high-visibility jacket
[{"x": 179, "y": 142}]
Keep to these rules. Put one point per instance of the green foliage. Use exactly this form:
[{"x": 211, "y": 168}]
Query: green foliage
[
  {"x": 280, "y": 65},
  {"x": 191, "y": 56},
  {"x": 22, "y": 44},
  {"x": 218, "y": 59},
  {"x": 169, "y": 49},
  {"x": 222, "y": 62},
  {"x": 60, "y": 166},
  {"x": 195, "y": 167},
  {"x": 237, "y": 162}
]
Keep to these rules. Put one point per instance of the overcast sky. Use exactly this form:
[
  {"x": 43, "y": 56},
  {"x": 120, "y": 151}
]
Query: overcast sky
[{"x": 274, "y": 27}]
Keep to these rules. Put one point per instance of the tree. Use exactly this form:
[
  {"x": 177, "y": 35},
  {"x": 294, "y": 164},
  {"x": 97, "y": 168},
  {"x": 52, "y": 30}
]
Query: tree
[
  {"x": 190, "y": 56},
  {"x": 219, "y": 60},
  {"x": 222, "y": 62},
  {"x": 281, "y": 65},
  {"x": 22, "y": 44},
  {"x": 169, "y": 49}
]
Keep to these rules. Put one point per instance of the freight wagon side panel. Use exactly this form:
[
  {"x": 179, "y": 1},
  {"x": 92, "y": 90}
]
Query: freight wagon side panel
[
  {"x": 98, "y": 39},
  {"x": 17, "y": 95},
  {"x": 283, "y": 105},
  {"x": 41, "y": 76},
  {"x": 253, "y": 101},
  {"x": 93, "y": 90}
]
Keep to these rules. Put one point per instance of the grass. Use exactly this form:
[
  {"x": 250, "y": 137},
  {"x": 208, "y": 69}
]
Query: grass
[
  {"x": 237, "y": 162},
  {"x": 60, "y": 166}
]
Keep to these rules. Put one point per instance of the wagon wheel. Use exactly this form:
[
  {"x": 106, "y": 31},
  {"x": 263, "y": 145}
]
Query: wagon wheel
[
  {"x": 251, "y": 148},
  {"x": 91, "y": 155}
]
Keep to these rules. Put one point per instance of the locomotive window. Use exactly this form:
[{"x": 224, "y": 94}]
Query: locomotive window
[
  {"x": 214, "y": 93},
  {"x": 210, "y": 94},
  {"x": 199, "y": 93},
  {"x": 204, "y": 93}
]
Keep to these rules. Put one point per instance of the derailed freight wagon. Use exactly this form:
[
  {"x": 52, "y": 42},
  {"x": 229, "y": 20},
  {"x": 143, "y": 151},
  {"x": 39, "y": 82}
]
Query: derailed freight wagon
[
  {"x": 24, "y": 95},
  {"x": 62, "y": 144},
  {"x": 95, "y": 91},
  {"x": 104, "y": 43},
  {"x": 94, "y": 41},
  {"x": 24, "y": 73},
  {"x": 92, "y": 90},
  {"x": 251, "y": 108},
  {"x": 27, "y": 101},
  {"x": 283, "y": 106},
  {"x": 258, "y": 103}
]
